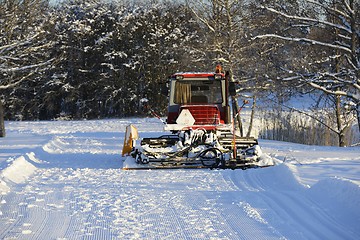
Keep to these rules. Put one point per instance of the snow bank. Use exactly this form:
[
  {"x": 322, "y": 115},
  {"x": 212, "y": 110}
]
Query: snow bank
[
  {"x": 3, "y": 187},
  {"x": 17, "y": 172},
  {"x": 340, "y": 198},
  {"x": 282, "y": 176},
  {"x": 343, "y": 191}
]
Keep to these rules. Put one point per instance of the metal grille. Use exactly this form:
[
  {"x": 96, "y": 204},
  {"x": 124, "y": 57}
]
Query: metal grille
[{"x": 204, "y": 114}]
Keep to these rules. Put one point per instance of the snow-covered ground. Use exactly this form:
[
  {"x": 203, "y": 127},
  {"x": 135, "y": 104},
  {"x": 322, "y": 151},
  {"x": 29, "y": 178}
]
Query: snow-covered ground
[{"x": 63, "y": 180}]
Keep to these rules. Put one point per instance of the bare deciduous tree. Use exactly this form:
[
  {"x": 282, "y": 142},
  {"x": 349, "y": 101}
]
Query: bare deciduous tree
[
  {"x": 224, "y": 24},
  {"x": 339, "y": 20}
]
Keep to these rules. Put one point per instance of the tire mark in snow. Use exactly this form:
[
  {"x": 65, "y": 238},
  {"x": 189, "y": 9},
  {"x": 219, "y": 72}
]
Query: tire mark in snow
[
  {"x": 12, "y": 218},
  {"x": 196, "y": 211},
  {"x": 190, "y": 204},
  {"x": 36, "y": 218},
  {"x": 170, "y": 206}
]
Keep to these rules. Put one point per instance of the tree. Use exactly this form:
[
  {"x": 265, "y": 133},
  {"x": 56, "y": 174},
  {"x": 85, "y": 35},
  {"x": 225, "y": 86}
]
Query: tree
[
  {"x": 87, "y": 54},
  {"x": 223, "y": 23},
  {"x": 109, "y": 56},
  {"x": 339, "y": 22},
  {"x": 2, "y": 124},
  {"x": 23, "y": 45}
]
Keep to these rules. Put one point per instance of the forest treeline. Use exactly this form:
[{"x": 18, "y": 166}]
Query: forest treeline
[{"x": 76, "y": 59}]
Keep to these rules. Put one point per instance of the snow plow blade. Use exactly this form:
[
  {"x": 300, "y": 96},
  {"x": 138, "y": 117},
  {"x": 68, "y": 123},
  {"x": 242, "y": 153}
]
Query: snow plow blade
[{"x": 131, "y": 135}]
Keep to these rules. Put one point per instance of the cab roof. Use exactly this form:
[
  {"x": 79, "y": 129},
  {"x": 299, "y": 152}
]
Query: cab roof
[{"x": 197, "y": 74}]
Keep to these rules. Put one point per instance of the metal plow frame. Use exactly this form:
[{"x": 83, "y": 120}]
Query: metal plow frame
[
  {"x": 129, "y": 164},
  {"x": 193, "y": 149},
  {"x": 211, "y": 158}
]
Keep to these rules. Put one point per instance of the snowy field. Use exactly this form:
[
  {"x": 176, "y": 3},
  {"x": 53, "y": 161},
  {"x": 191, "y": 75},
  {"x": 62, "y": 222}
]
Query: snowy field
[{"x": 63, "y": 180}]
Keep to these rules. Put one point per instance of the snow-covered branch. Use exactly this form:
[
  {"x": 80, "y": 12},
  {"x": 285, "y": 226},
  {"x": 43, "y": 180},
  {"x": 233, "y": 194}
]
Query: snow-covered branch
[
  {"x": 9, "y": 47},
  {"x": 27, "y": 67},
  {"x": 334, "y": 10},
  {"x": 307, "y": 19},
  {"x": 341, "y": 93},
  {"x": 203, "y": 20},
  {"x": 14, "y": 84},
  {"x": 348, "y": 7},
  {"x": 306, "y": 40}
]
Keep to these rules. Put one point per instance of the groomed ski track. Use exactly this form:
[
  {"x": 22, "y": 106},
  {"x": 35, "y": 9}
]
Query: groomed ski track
[{"x": 63, "y": 180}]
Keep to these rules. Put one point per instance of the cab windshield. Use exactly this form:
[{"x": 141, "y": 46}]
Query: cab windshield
[{"x": 198, "y": 91}]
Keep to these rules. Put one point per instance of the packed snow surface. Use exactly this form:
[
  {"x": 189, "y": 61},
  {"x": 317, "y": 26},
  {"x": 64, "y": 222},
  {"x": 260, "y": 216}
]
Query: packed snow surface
[{"x": 63, "y": 180}]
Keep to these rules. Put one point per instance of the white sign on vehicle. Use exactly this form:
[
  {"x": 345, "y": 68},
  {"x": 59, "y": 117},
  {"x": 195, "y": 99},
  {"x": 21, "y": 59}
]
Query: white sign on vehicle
[{"x": 185, "y": 118}]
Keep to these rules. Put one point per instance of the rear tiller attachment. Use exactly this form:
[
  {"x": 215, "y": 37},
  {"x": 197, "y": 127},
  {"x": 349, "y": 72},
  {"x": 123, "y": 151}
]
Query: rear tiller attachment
[{"x": 196, "y": 149}]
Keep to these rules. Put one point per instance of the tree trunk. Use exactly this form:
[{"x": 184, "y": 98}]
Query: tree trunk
[
  {"x": 358, "y": 114},
  {"x": 237, "y": 114},
  {"x": 252, "y": 116},
  {"x": 2, "y": 123},
  {"x": 340, "y": 125}
]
